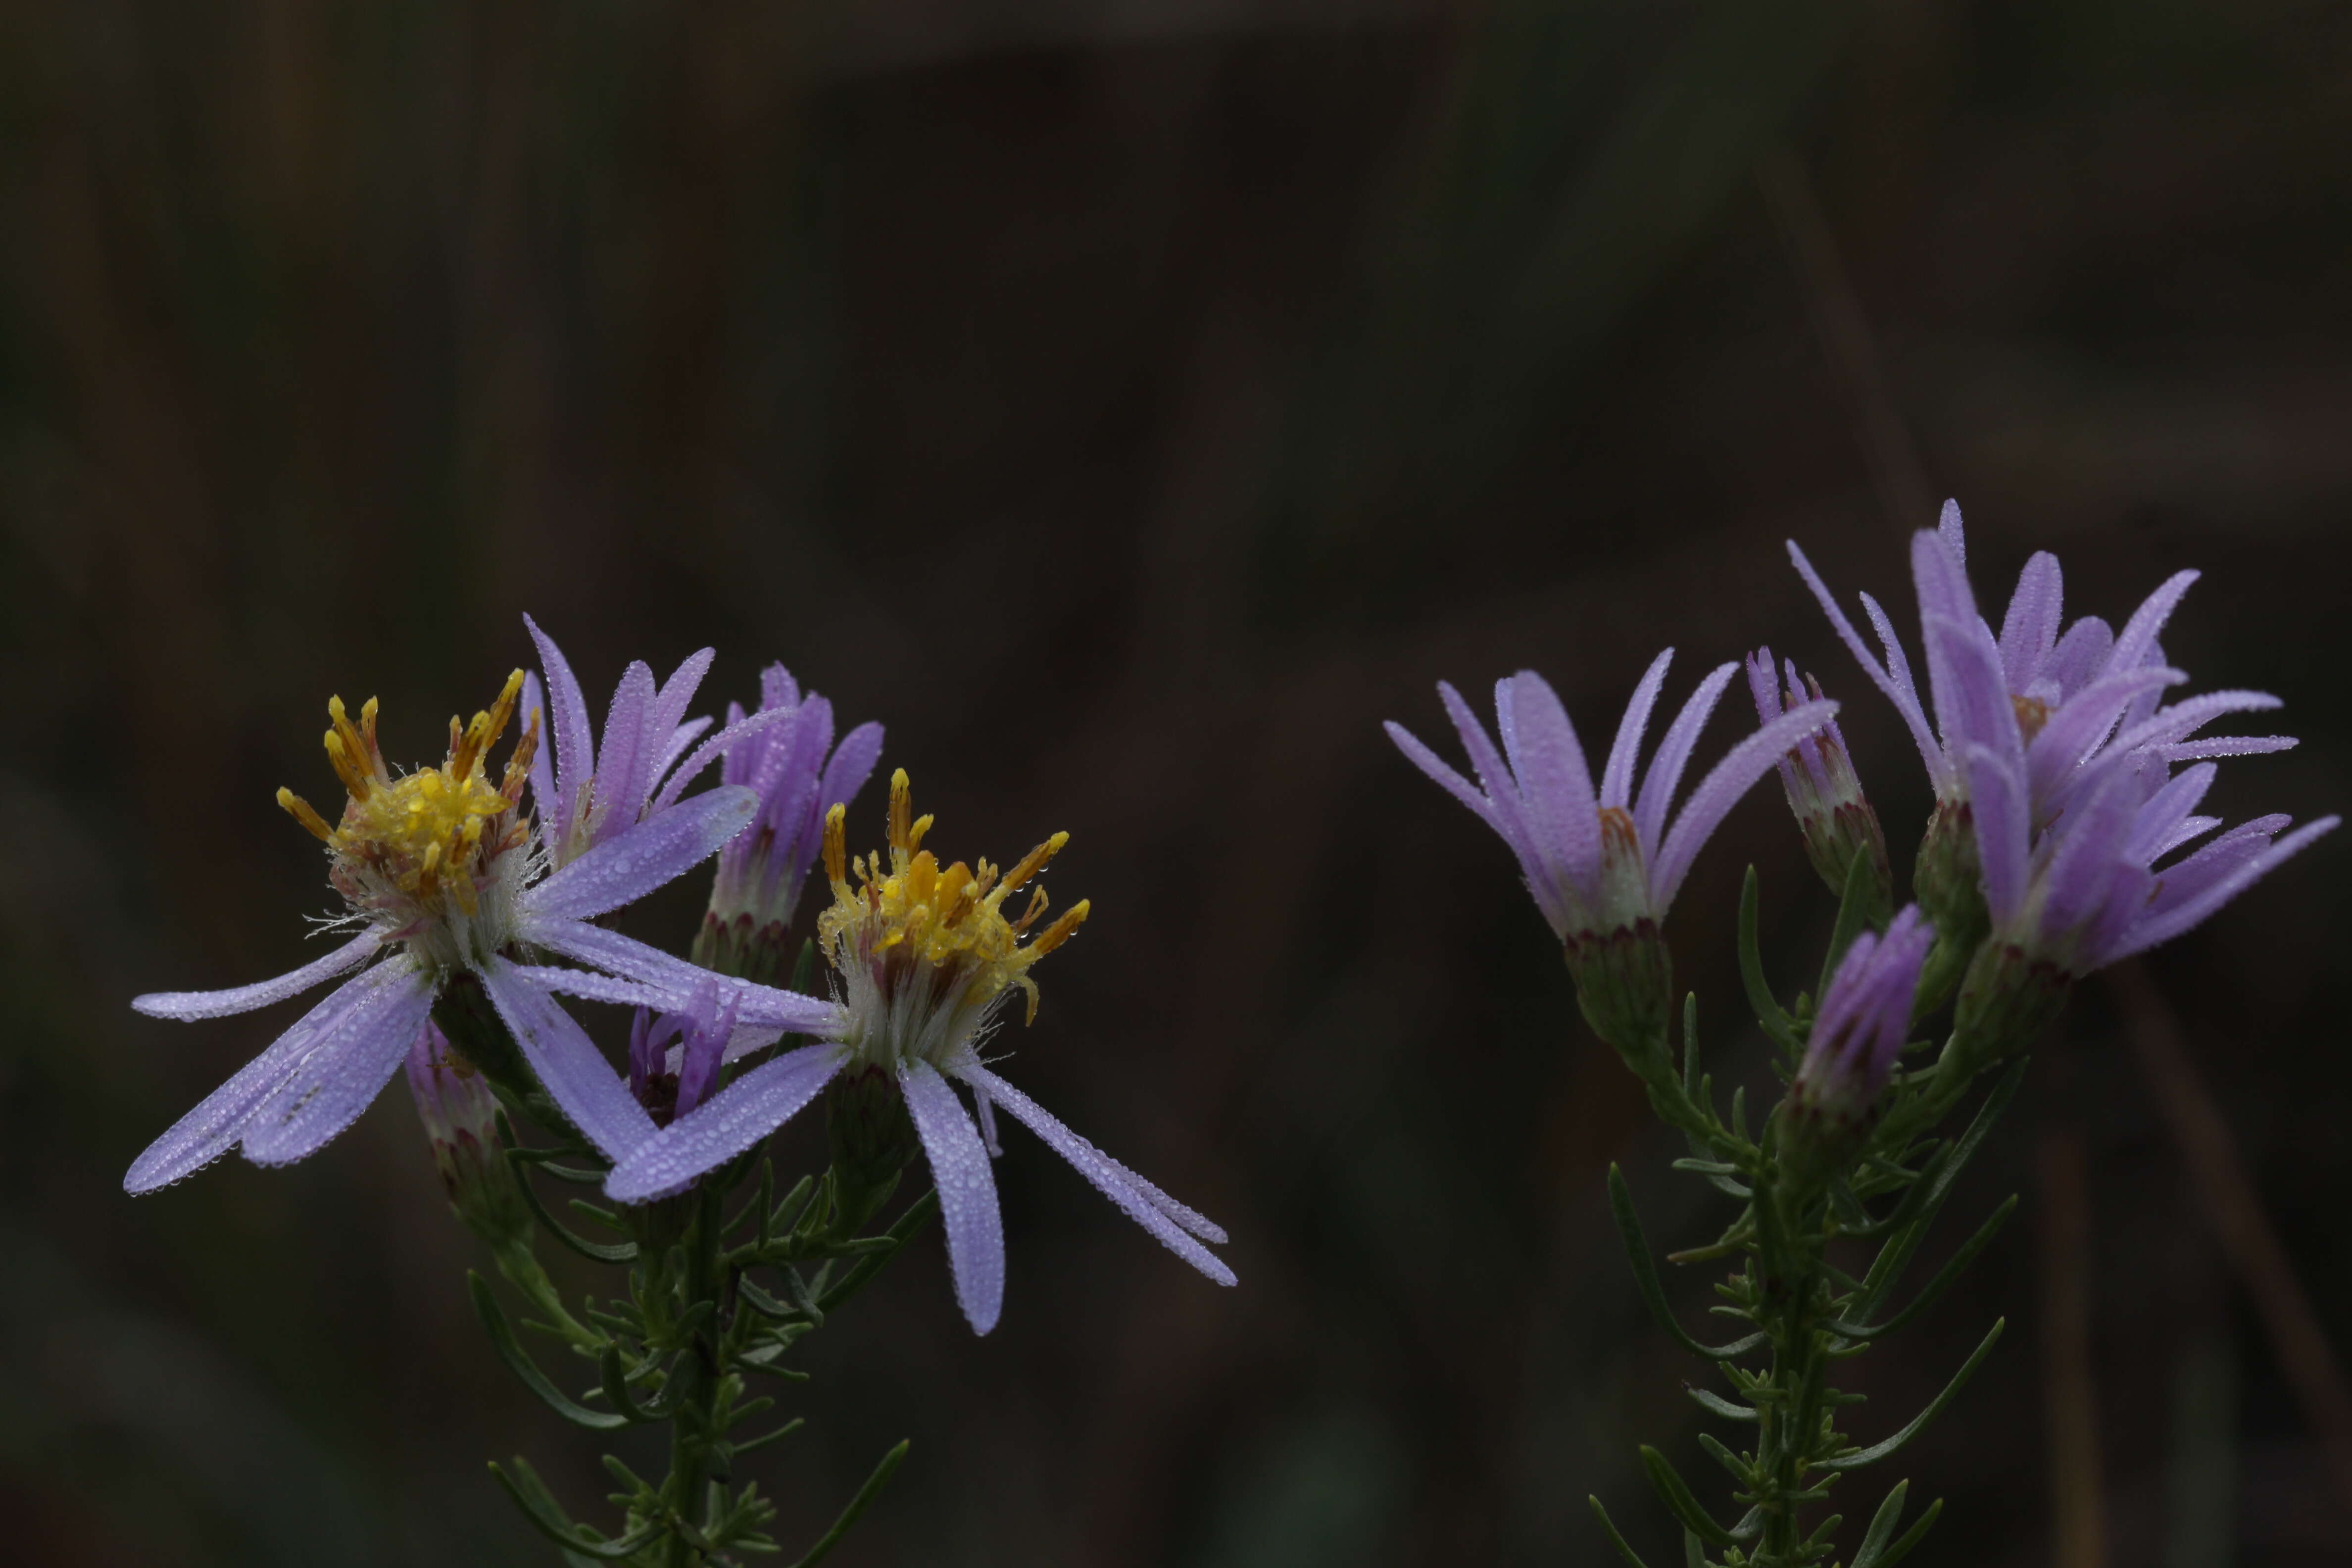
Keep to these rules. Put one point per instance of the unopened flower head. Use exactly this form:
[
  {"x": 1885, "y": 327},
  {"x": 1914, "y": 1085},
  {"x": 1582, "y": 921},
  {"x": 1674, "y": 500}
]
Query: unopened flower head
[
  {"x": 760, "y": 875},
  {"x": 924, "y": 950},
  {"x": 675, "y": 1056},
  {"x": 438, "y": 869},
  {"x": 1817, "y": 775},
  {"x": 923, "y": 955},
  {"x": 1861, "y": 1022},
  {"x": 460, "y": 1117},
  {"x": 1604, "y": 864}
]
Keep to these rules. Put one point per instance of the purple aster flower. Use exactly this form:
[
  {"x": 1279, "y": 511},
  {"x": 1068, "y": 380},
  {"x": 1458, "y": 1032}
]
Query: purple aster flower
[
  {"x": 1603, "y": 864},
  {"x": 923, "y": 956},
  {"x": 2085, "y": 891},
  {"x": 439, "y": 869},
  {"x": 1817, "y": 775},
  {"x": 1859, "y": 1028},
  {"x": 1603, "y": 861},
  {"x": 460, "y": 1114},
  {"x": 2051, "y": 699},
  {"x": 762, "y": 873}
]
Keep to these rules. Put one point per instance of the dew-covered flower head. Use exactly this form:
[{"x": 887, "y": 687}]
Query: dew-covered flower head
[
  {"x": 1600, "y": 860},
  {"x": 432, "y": 859},
  {"x": 924, "y": 952},
  {"x": 1818, "y": 778}
]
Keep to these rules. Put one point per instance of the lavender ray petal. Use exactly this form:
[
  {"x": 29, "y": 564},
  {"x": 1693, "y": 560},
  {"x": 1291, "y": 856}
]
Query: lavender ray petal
[
  {"x": 590, "y": 987},
  {"x": 1973, "y": 700},
  {"x": 2082, "y": 723},
  {"x": 709, "y": 752},
  {"x": 1506, "y": 808},
  {"x": 2079, "y": 657},
  {"x": 1940, "y": 575},
  {"x": 1942, "y": 772},
  {"x": 2030, "y": 630},
  {"x": 2136, "y": 641},
  {"x": 669, "y": 706},
  {"x": 2164, "y": 923},
  {"x": 2183, "y": 719},
  {"x": 682, "y": 737},
  {"x": 343, "y": 1076},
  {"x": 212, "y": 1128},
  {"x": 966, "y": 1191},
  {"x": 1997, "y": 804},
  {"x": 2162, "y": 812},
  {"x": 761, "y": 1006},
  {"x": 852, "y": 765},
  {"x": 1904, "y": 695},
  {"x": 1720, "y": 790},
  {"x": 575, "y": 754},
  {"x": 568, "y": 1063},
  {"x": 1063, "y": 1142},
  {"x": 625, "y": 756},
  {"x": 192, "y": 1004},
  {"x": 1441, "y": 773},
  {"x": 626, "y": 866},
  {"x": 1555, "y": 781},
  {"x": 2187, "y": 830},
  {"x": 1950, "y": 529},
  {"x": 2226, "y": 746},
  {"x": 1674, "y": 755},
  {"x": 1135, "y": 1197},
  {"x": 542, "y": 758},
  {"x": 1617, "y": 777},
  {"x": 2089, "y": 845},
  {"x": 717, "y": 1131}
]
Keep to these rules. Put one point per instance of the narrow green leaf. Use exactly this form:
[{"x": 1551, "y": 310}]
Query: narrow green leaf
[
  {"x": 1717, "y": 1405},
  {"x": 1770, "y": 1014},
  {"x": 866, "y": 1494},
  {"x": 1631, "y": 1557},
  {"x": 503, "y": 1339},
  {"x": 540, "y": 1507},
  {"x": 1855, "y": 1458},
  {"x": 620, "y": 1252},
  {"x": 1857, "y": 906},
  {"x": 1911, "y": 1537},
  {"x": 1882, "y": 1527},
  {"x": 764, "y": 1438},
  {"x": 1646, "y": 1276},
  {"x": 902, "y": 1231},
  {"x": 1935, "y": 1287},
  {"x": 1675, "y": 1495}
]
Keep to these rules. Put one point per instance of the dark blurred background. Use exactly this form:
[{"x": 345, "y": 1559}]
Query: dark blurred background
[{"x": 1131, "y": 403}]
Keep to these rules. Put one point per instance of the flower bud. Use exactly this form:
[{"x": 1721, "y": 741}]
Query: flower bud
[
  {"x": 1858, "y": 1033},
  {"x": 866, "y": 1124},
  {"x": 459, "y": 1113},
  {"x": 1818, "y": 777},
  {"x": 1625, "y": 984},
  {"x": 2008, "y": 996}
]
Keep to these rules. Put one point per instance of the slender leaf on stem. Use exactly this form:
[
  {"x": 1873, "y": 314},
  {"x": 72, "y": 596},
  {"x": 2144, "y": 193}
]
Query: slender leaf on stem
[
  {"x": 1690, "y": 1044},
  {"x": 602, "y": 1252},
  {"x": 616, "y": 1389},
  {"x": 1855, "y": 1458},
  {"x": 1676, "y": 1495},
  {"x": 1911, "y": 1537},
  {"x": 1717, "y": 1405},
  {"x": 1882, "y": 1527},
  {"x": 866, "y": 1494},
  {"x": 539, "y": 1507},
  {"x": 1769, "y": 1011},
  {"x": 764, "y": 1438},
  {"x": 901, "y": 1232},
  {"x": 518, "y": 1362},
  {"x": 1935, "y": 1287},
  {"x": 1646, "y": 1276},
  {"x": 1633, "y": 1558},
  {"x": 1857, "y": 907},
  {"x": 1935, "y": 1177}
]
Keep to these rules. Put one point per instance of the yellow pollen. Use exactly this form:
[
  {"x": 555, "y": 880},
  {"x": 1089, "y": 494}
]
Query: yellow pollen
[
  {"x": 917, "y": 922},
  {"x": 433, "y": 830}
]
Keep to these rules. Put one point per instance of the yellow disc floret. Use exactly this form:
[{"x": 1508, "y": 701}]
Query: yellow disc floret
[
  {"x": 925, "y": 949},
  {"x": 419, "y": 851}
]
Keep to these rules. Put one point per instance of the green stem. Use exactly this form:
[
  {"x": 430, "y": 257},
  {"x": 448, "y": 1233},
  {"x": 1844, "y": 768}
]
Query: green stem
[{"x": 696, "y": 1424}]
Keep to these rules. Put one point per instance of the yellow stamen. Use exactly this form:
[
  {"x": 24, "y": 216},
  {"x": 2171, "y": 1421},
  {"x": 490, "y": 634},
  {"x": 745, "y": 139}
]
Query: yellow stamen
[
  {"x": 299, "y": 809},
  {"x": 1035, "y": 862},
  {"x": 835, "y": 845},
  {"x": 1062, "y": 929},
  {"x": 1038, "y": 902},
  {"x": 901, "y": 806},
  {"x": 921, "y": 825}
]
